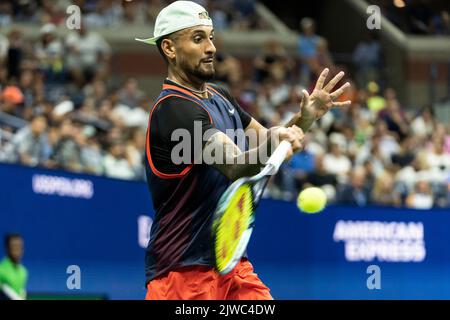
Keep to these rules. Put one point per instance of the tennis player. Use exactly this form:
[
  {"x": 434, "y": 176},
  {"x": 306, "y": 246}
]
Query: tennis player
[{"x": 179, "y": 262}]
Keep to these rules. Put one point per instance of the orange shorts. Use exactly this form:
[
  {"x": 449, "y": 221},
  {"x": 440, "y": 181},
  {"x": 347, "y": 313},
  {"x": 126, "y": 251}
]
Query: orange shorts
[{"x": 204, "y": 283}]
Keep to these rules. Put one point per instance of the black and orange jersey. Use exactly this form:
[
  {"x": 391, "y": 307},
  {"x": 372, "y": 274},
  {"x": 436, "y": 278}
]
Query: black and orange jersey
[{"x": 185, "y": 195}]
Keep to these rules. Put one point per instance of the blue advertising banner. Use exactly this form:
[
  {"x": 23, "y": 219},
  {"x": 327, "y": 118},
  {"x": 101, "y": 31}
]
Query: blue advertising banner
[{"x": 100, "y": 226}]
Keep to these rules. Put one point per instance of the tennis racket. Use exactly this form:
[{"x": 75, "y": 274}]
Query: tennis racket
[{"x": 235, "y": 214}]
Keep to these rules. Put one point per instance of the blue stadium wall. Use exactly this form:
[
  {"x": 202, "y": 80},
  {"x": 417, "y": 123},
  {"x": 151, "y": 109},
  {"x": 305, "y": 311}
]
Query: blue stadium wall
[{"x": 101, "y": 226}]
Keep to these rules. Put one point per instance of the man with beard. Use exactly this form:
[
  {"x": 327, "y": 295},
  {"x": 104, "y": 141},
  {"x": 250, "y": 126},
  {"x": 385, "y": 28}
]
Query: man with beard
[{"x": 179, "y": 257}]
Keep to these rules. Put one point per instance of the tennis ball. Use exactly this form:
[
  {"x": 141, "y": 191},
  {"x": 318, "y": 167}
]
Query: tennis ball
[{"x": 311, "y": 200}]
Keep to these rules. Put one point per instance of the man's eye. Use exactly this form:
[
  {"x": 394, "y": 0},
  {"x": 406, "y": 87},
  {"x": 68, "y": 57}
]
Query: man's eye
[{"x": 198, "y": 39}]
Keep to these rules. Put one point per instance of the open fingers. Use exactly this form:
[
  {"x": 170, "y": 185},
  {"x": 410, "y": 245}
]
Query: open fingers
[
  {"x": 336, "y": 94},
  {"x": 334, "y": 81},
  {"x": 321, "y": 80},
  {"x": 342, "y": 104}
]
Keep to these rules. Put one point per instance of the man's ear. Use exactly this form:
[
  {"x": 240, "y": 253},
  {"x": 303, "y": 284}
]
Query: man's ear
[{"x": 168, "y": 47}]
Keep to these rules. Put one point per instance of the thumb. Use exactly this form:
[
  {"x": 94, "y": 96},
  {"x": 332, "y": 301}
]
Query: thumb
[{"x": 305, "y": 100}]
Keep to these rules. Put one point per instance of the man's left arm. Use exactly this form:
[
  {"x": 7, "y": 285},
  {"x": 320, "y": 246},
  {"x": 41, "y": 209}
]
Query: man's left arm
[{"x": 312, "y": 107}]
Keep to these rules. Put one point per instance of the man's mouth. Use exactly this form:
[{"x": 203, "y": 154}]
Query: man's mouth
[{"x": 208, "y": 60}]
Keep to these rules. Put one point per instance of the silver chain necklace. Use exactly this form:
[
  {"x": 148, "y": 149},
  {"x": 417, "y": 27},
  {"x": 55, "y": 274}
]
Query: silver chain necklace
[{"x": 187, "y": 88}]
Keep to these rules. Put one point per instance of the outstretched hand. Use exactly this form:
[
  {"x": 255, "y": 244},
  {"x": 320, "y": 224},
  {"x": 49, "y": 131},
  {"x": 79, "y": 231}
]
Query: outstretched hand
[{"x": 323, "y": 98}]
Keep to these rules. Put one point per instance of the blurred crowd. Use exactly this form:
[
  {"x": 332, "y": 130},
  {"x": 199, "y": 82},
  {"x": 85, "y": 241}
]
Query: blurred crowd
[
  {"x": 226, "y": 14},
  {"x": 377, "y": 151},
  {"x": 424, "y": 17},
  {"x": 59, "y": 109}
]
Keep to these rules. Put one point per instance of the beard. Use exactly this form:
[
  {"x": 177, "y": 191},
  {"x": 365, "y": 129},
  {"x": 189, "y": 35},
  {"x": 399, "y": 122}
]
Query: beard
[
  {"x": 202, "y": 74},
  {"x": 199, "y": 71}
]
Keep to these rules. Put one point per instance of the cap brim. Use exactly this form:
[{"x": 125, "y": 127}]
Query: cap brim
[{"x": 148, "y": 41}]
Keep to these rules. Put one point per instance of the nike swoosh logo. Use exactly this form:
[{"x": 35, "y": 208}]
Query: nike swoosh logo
[{"x": 231, "y": 111}]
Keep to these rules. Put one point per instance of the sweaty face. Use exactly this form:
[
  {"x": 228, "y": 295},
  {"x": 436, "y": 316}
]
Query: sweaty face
[{"x": 195, "y": 52}]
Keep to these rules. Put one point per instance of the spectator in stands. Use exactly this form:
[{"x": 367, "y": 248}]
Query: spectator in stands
[
  {"x": 324, "y": 60},
  {"x": 356, "y": 192},
  {"x": 67, "y": 150},
  {"x": 31, "y": 143},
  {"x": 96, "y": 91},
  {"x": 294, "y": 173},
  {"x": 107, "y": 13},
  {"x": 130, "y": 94},
  {"x": 367, "y": 60},
  {"x": 421, "y": 197},
  {"x": 11, "y": 99},
  {"x": 49, "y": 52},
  {"x": 405, "y": 155},
  {"x": 6, "y": 14},
  {"x": 336, "y": 162},
  {"x": 125, "y": 116},
  {"x": 273, "y": 64},
  {"x": 371, "y": 152},
  {"x": 371, "y": 174},
  {"x": 443, "y": 131},
  {"x": 135, "y": 152},
  {"x": 308, "y": 45},
  {"x": 436, "y": 157},
  {"x": 384, "y": 192},
  {"x": 375, "y": 102},
  {"x": 423, "y": 124},
  {"x": 13, "y": 274},
  {"x": 16, "y": 48},
  {"x": 319, "y": 177},
  {"x": 387, "y": 142},
  {"x": 393, "y": 116},
  {"x": 279, "y": 93},
  {"x": 91, "y": 152},
  {"x": 228, "y": 68},
  {"x": 115, "y": 163},
  {"x": 88, "y": 56}
]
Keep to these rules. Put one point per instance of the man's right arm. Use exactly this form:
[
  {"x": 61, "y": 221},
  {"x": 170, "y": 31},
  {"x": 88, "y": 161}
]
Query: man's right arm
[
  {"x": 234, "y": 163},
  {"x": 214, "y": 146}
]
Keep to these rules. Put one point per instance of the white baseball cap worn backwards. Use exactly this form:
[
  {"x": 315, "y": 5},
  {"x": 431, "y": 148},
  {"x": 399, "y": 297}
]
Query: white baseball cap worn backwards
[{"x": 178, "y": 16}]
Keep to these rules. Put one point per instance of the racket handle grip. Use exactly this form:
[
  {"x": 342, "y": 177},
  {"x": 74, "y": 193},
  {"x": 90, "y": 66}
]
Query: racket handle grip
[{"x": 278, "y": 156}]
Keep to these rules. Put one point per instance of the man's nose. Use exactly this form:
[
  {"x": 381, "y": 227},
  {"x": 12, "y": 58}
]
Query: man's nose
[{"x": 211, "y": 48}]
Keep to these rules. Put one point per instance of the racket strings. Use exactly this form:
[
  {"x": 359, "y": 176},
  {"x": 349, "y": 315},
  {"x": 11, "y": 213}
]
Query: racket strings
[{"x": 236, "y": 218}]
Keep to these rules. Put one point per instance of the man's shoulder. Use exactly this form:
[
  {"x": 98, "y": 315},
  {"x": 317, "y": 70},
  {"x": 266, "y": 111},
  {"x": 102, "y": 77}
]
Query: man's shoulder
[
  {"x": 6, "y": 265},
  {"x": 176, "y": 109},
  {"x": 222, "y": 88},
  {"x": 168, "y": 101}
]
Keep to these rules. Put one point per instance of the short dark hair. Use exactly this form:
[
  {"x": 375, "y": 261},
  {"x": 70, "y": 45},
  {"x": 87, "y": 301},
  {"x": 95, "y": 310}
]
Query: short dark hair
[{"x": 9, "y": 237}]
